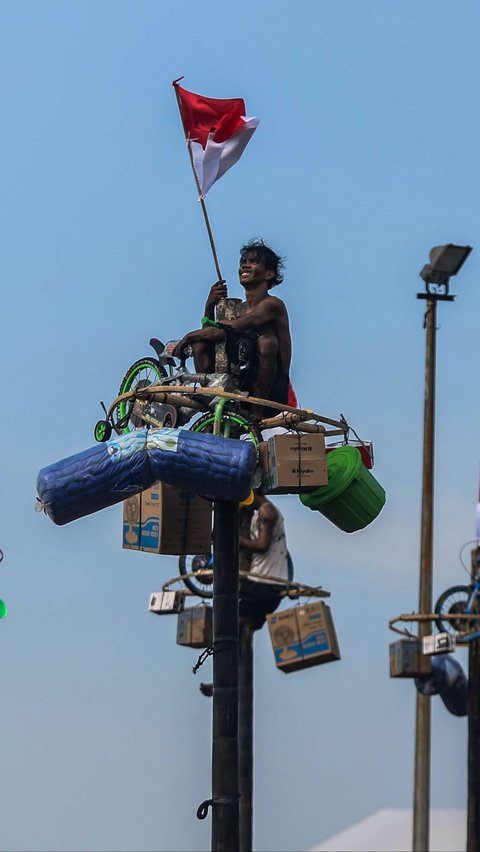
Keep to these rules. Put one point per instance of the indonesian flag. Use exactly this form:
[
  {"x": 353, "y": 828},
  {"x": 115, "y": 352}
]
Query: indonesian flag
[
  {"x": 292, "y": 396},
  {"x": 217, "y": 131}
]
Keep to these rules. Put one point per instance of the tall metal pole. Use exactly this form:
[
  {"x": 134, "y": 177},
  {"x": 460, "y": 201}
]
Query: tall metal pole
[
  {"x": 445, "y": 261},
  {"x": 473, "y": 805},
  {"x": 245, "y": 736},
  {"x": 225, "y": 761},
  {"x": 421, "y": 797}
]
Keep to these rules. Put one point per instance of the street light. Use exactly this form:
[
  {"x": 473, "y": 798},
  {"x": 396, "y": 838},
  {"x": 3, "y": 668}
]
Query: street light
[{"x": 445, "y": 262}]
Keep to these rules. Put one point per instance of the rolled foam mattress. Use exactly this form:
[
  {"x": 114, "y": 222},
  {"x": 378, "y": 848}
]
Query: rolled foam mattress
[{"x": 108, "y": 473}]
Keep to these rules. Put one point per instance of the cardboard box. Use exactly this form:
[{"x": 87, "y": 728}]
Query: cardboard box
[
  {"x": 195, "y": 626},
  {"x": 165, "y": 520},
  {"x": 303, "y": 636},
  {"x": 407, "y": 659},
  {"x": 166, "y": 603},
  {"x": 293, "y": 463},
  {"x": 365, "y": 448},
  {"x": 438, "y": 643}
]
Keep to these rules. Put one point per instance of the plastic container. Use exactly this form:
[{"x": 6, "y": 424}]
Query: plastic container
[
  {"x": 449, "y": 680},
  {"x": 353, "y": 498}
]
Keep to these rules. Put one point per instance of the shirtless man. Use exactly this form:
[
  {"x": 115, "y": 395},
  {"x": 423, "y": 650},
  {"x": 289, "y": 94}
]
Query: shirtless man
[
  {"x": 263, "y": 317},
  {"x": 264, "y": 546}
]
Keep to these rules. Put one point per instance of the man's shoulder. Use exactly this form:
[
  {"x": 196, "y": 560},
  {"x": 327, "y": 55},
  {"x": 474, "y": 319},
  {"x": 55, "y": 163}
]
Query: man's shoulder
[
  {"x": 277, "y": 303},
  {"x": 268, "y": 512}
]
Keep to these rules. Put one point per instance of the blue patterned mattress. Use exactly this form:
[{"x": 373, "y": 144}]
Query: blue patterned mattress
[{"x": 108, "y": 473}]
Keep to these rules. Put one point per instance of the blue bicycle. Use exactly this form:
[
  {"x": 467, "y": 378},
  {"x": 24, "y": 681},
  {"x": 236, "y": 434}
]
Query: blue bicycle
[
  {"x": 197, "y": 573},
  {"x": 461, "y": 600}
]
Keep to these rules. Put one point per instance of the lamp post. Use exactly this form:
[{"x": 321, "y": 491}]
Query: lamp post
[
  {"x": 473, "y": 750},
  {"x": 445, "y": 262}
]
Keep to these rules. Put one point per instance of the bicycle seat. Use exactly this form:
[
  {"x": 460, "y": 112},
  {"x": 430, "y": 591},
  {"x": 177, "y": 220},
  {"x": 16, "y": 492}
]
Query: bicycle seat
[{"x": 159, "y": 348}]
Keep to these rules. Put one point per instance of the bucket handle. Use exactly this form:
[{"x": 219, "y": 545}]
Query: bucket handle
[{"x": 349, "y": 429}]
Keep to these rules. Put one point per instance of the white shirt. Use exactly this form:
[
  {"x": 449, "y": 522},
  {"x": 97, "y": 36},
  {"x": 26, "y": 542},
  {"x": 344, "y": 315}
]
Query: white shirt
[{"x": 274, "y": 562}]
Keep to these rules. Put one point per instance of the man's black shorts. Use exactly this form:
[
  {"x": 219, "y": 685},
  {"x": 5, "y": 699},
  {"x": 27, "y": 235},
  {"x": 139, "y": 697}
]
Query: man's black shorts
[
  {"x": 279, "y": 391},
  {"x": 241, "y": 348}
]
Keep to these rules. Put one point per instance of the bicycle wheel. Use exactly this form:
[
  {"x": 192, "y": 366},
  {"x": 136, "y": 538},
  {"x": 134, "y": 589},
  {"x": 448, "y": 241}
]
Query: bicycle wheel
[
  {"x": 201, "y": 583},
  {"x": 232, "y": 426},
  {"x": 102, "y": 431},
  {"x": 143, "y": 373},
  {"x": 455, "y": 600}
]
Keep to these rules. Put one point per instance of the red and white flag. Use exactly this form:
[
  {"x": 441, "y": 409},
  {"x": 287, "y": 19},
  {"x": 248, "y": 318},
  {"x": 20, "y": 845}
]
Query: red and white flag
[{"x": 217, "y": 131}]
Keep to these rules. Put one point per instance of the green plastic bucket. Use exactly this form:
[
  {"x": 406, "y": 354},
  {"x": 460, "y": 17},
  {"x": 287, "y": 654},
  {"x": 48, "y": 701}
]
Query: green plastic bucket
[
  {"x": 353, "y": 498},
  {"x": 3, "y": 609}
]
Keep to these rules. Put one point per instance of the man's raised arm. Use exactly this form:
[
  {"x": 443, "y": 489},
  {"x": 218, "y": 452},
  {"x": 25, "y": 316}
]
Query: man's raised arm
[
  {"x": 213, "y": 335},
  {"x": 217, "y": 291}
]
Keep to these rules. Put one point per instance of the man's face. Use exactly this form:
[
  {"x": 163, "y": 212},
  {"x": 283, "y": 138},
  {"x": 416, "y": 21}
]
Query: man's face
[{"x": 252, "y": 270}]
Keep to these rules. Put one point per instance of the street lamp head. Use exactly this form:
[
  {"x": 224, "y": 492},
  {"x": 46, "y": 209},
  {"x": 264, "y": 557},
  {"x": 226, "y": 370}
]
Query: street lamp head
[{"x": 445, "y": 261}]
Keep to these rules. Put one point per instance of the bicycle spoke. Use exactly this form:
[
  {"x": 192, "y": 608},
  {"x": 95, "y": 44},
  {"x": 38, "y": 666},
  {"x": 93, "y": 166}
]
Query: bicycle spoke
[
  {"x": 456, "y": 601},
  {"x": 143, "y": 373},
  {"x": 201, "y": 580}
]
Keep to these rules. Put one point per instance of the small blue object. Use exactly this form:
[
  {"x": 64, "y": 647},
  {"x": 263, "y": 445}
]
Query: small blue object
[{"x": 449, "y": 681}]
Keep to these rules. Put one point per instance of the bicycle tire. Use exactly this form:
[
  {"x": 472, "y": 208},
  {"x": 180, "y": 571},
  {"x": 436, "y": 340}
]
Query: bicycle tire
[
  {"x": 102, "y": 431},
  {"x": 152, "y": 372},
  {"x": 229, "y": 420},
  {"x": 458, "y": 597},
  {"x": 201, "y": 586}
]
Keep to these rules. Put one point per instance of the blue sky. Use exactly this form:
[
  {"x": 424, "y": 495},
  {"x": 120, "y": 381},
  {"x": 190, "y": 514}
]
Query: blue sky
[{"x": 365, "y": 158}]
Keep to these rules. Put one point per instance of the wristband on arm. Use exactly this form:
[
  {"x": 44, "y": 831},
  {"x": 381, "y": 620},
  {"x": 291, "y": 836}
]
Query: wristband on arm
[{"x": 213, "y": 323}]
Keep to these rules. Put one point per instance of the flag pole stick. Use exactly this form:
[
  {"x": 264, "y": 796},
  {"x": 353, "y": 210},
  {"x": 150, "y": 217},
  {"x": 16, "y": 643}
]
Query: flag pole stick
[{"x": 199, "y": 188}]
